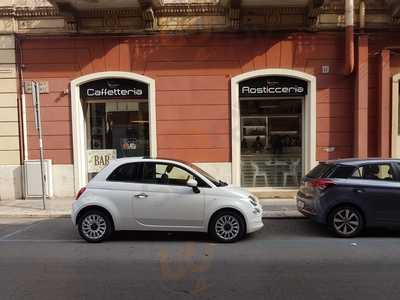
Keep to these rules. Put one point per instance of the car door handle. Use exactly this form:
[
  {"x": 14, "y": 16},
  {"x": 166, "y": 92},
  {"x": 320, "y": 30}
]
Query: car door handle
[
  {"x": 359, "y": 191},
  {"x": 141, "y": 196}
]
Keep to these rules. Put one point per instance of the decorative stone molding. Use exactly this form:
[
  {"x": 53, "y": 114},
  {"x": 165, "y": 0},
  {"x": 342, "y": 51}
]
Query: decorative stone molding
[
  {"x": 149, "y": 19},
  {"x": 273, "y": 17},
  {"x": 234, "y": 15},
  {"x": 190, "y": 10},
  {"x": 107, "y": 12},
  {"x": 225, "y": 15},
  {"x": 29, "y": 12}
]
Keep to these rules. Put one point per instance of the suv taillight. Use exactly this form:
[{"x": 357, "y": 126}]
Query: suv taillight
[
  {"x": 322, "y": 183},
  {"x": 80, "y": 193}
]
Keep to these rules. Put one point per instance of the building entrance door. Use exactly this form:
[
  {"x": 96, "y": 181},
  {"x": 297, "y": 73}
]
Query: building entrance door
[
  {"x": 271, "y": 142},
  {"x": 272, "y": 131},
  {"x": 120, "y": 127}
]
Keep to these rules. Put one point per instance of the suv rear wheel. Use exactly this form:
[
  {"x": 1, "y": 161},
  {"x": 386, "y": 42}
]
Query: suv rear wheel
[
  {"x": 95, "y": 226},
  {"x": 346, "y": 221}
]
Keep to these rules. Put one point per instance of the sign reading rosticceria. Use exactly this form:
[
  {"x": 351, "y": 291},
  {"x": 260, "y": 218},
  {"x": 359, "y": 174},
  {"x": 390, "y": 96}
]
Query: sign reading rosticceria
[
  {"x": 98, "y": 159},
  {"x": 114, "y": 88},
  {"x": 272, "y": 86}
]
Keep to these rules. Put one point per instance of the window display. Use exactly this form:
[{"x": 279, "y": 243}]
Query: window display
[{"x": 271, "y": 142}]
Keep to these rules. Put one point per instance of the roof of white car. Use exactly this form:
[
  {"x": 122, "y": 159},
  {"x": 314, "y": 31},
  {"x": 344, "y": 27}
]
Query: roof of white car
[{"x": 138, "y": 159}]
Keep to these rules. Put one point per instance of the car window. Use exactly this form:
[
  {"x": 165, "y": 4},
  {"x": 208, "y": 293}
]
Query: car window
[
  {"x": 321, "y": 170},
  {"x": 166, "y": 173},
  {"x": 126, "y": 173},
  {"x": 342, "y": 171},
  {"x": 374, "y": 172}
]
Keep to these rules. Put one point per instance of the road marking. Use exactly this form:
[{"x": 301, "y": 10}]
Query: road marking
[{"x": 4, "y": 237}]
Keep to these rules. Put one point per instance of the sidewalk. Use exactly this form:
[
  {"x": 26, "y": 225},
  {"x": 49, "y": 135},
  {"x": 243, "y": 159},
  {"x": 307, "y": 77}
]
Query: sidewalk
[{"x": 61, "y": 207}]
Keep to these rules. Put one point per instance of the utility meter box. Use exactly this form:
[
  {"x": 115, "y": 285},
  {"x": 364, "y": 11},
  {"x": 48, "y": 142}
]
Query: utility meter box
[{"x": 33, "y": 183}]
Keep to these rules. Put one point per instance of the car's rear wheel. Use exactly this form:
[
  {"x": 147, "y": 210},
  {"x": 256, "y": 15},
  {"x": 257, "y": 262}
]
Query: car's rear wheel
[
  {"x": 95, "y": 226},
  {"x": 346, "y": 221},
  {"x": 227, "y": 226}
]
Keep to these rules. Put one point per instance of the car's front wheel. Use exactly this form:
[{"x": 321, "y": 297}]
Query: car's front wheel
[
  {"x": 227, "y": 226},
  {"x": 95, "y": 226},
  {"x": 346, "y": 221}
]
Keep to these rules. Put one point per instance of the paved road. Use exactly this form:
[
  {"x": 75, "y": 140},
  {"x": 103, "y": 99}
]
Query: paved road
[{"x": 288, "y": 259}]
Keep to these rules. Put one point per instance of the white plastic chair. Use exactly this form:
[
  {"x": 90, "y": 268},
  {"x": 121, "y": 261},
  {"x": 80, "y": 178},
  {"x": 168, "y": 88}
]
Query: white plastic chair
[
  {"x": 293, "y": 172},
  {"x": 258, "y": 173}
]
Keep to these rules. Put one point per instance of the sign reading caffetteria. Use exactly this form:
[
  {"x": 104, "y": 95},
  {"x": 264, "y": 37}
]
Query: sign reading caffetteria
[
  {"x": 98, "y": 159},
  {"x": 272, "y": 86},
  {"x": 114, "y": 88}
]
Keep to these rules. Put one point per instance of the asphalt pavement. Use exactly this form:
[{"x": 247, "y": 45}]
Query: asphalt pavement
[{"x": 288, "y": 259}]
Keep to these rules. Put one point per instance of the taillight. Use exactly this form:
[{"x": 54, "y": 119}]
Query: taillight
[
  {"x": 80, "y": 193},
  {"x": 322, "y": 183}
]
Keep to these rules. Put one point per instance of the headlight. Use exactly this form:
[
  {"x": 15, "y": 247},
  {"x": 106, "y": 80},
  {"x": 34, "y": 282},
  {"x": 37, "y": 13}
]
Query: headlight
[{"x": 253, "y": 200}]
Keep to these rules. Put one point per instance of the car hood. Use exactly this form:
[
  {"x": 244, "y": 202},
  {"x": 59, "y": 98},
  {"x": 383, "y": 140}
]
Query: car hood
[{"x": 235, "y": 190}]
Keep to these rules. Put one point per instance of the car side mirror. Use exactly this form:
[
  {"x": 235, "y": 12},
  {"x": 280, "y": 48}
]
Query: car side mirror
[{"x": 193, "y": 184}]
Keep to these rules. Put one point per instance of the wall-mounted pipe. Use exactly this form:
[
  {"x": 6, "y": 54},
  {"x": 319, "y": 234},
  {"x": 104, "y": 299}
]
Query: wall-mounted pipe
[
  {"x": 362, "y": 15},
  {"x": 349, "y": 37}
]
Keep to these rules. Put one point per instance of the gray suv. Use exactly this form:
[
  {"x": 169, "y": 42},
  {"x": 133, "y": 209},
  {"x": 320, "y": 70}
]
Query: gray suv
[{"x": 349, "y": 195}]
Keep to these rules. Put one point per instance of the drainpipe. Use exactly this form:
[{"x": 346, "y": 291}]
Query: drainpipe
[
  {"x": 349, "y": 37},
  {"x": 362, "y": 15}
]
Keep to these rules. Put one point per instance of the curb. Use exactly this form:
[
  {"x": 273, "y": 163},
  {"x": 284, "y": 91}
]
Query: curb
[
  {"x": 36, "y": 215},
  {"x": 287, "y": 214}
]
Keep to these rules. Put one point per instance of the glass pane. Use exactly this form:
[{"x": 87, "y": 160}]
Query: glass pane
[
  {"x": 342, "y": 172},
  {"x": 119, "y": 125},
  {"x": 376, "y": 172},
  {"x": 161, "y": 173},
  {"x": 320, "y": 170},
  {"x": 127, "y": 172},
  {"x": 271, "y": 142}
]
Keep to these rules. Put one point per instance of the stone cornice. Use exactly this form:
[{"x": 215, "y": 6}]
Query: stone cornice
[
  {"x": 190, "y": 10},
  {"x": 108, "y": 12},
  {"x": 29, "y": 12}
]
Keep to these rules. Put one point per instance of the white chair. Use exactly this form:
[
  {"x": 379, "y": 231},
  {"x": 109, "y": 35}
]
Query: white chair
[
  {"x": 258, "y": 173},
  {"x": 293, "y": 172}
]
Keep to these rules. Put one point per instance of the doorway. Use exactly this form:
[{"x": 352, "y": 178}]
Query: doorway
[
  {"x": 289, "y": 120},
  {"x": 271, "y": 142},
  {"x": 120, "y": 101},
  {"x": 119, "y": 126}
]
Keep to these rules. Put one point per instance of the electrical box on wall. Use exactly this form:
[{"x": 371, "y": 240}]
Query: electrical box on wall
[{"x": 32, "y": 176}]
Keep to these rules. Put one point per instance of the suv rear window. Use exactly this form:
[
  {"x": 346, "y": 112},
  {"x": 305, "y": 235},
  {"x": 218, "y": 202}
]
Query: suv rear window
[{"x": 320, "y": 171}]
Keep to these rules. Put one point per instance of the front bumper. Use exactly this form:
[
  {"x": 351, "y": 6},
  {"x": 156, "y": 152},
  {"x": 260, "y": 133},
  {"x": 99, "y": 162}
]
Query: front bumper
[
  {"x": 255, "y": 226},
  {"x": 255, "y": 222}
]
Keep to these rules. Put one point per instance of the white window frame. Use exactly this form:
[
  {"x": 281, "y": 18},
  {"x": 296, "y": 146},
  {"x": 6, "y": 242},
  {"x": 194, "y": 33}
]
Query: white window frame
[
  {"x": 79, "y": 123},
  {"x": 395, "y": 116},
  {"x": 309, "y": 117}
]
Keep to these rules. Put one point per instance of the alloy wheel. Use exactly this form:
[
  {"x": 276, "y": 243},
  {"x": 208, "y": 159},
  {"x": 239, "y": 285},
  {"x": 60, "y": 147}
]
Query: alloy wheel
[
  {"x": 94, "y": 226},
  {"x": 227, "y": 227},
  {"x": 346, "y": 221}
]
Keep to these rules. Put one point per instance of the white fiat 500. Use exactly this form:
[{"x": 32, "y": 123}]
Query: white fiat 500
[{"x": 163, "y": 195}]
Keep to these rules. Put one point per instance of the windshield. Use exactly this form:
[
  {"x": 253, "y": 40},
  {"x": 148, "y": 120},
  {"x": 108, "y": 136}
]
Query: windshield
[{"x": 208, "y": 176}]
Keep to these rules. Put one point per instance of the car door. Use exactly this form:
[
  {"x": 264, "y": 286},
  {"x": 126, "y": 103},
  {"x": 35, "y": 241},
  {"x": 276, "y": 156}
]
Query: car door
[
  {"x": 119, "y": 187},
  {"x": 167, "y": 202},
  {"x": 379, "y": 190}
]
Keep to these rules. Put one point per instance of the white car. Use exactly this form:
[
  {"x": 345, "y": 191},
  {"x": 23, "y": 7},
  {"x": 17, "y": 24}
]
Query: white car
[{"x": 163, "y": 195}]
